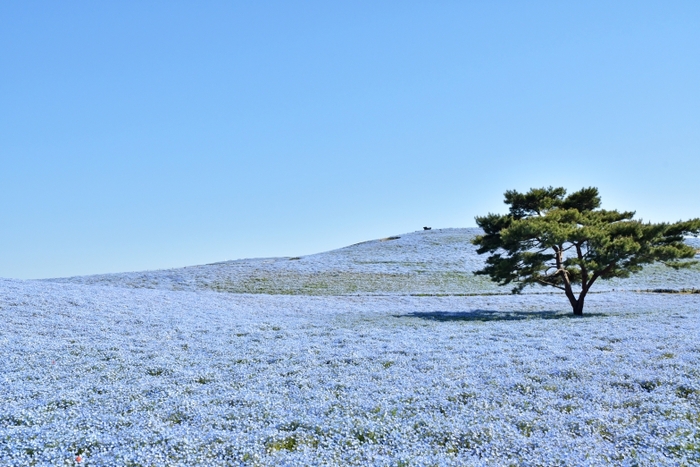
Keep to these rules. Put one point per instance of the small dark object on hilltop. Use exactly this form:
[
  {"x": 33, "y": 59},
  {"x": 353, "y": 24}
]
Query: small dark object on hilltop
[{"x": 427, "y": 228}]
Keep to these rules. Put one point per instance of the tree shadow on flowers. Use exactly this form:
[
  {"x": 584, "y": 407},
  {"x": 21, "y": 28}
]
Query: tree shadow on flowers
[{"x": 495, "y": 315}]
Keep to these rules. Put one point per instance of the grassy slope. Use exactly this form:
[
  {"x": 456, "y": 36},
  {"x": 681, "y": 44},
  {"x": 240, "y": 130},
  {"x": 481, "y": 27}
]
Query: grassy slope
[{"x": 425, "y": 262}]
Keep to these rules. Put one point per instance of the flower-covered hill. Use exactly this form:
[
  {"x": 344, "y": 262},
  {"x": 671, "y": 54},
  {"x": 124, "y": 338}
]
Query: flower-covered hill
[{"x": 425, "y": 262}]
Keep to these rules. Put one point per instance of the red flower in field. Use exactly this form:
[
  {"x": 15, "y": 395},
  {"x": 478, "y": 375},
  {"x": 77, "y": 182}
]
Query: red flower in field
[{"x": 78, "y": 459}]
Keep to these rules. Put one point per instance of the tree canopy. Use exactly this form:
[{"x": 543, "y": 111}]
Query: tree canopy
[{"x": 569, "y": 242}]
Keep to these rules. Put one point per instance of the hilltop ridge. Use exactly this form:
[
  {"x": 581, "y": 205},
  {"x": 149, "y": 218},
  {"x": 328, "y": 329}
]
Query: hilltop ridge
[{"x": 438, "y": 261}]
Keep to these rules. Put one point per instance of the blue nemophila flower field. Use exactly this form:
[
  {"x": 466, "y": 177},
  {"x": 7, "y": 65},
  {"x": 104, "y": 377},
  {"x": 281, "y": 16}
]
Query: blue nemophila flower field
[
  {"x": 148, "y": 377},
  {"x": 96, "y": 374}
]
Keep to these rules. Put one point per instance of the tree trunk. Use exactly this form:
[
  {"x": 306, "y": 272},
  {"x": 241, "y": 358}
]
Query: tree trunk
[{"x": 578, "y": 307}]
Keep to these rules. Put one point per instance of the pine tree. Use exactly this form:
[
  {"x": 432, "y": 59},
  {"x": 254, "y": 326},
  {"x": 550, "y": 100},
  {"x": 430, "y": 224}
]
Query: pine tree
[{"x": 568, "y": 242}]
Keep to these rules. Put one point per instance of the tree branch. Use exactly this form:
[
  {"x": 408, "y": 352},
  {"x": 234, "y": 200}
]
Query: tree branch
[
  {"x": 543, "y": 282},
  {"x": 597, "y": 274},
  {"x": 584, "y": 271},
  {"x": 565, "y": 276}
]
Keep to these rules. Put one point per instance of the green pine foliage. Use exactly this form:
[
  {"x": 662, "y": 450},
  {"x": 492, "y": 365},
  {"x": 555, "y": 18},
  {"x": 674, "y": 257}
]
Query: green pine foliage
[{"x": 568, "y": 242}]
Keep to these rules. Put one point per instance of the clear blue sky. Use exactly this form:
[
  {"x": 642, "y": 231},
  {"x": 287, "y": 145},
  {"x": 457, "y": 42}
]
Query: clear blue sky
[{"x": 142, "y": 135}]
